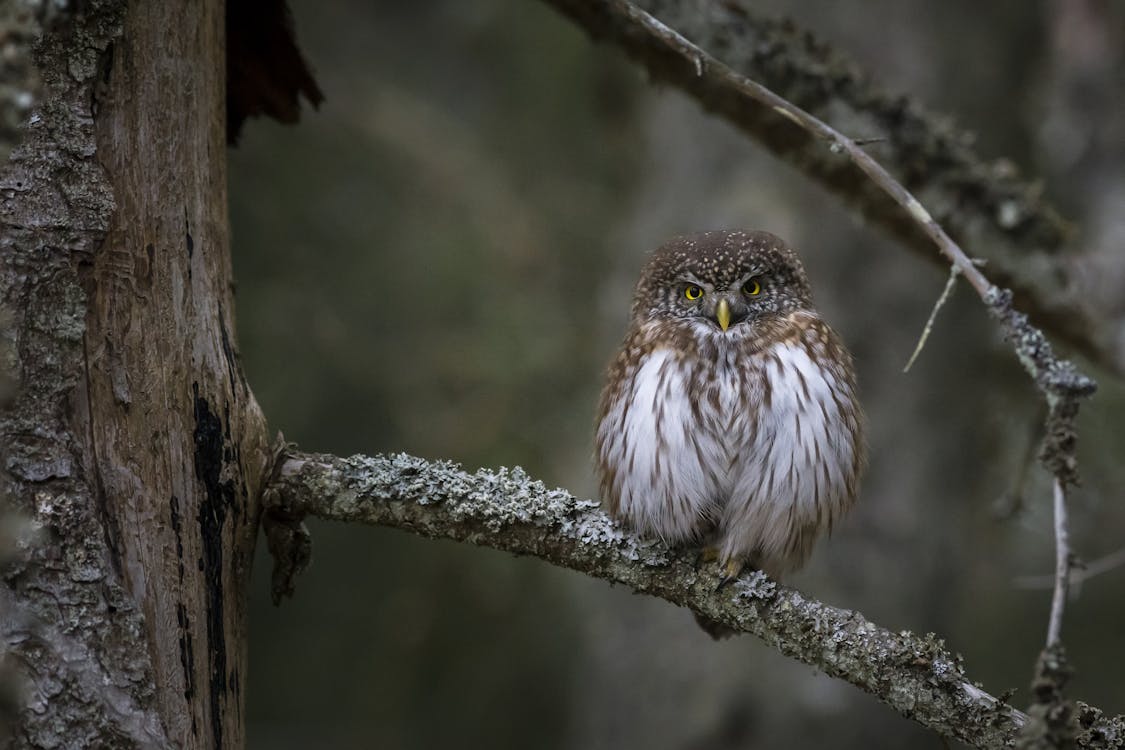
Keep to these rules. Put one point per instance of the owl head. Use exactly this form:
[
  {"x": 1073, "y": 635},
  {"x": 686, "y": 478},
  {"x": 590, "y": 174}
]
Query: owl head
[{"x": 723, "y": 280}]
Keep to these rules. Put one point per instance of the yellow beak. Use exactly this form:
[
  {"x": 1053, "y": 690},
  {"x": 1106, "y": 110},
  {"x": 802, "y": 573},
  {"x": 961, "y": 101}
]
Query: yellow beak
[{"x": 722, "y": 314}]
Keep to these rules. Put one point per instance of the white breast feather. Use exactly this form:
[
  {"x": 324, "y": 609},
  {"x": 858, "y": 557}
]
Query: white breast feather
[
  {"x": 661, "y": 482},
  {"x": 793, "y": 479},
  {"x": 770, "y": 477}
]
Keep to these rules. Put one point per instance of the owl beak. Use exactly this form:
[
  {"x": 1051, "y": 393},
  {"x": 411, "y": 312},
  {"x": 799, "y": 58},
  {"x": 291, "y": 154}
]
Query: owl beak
[
  {"x": 730, "y": 312},
  {"x": 722, "y": 314}
]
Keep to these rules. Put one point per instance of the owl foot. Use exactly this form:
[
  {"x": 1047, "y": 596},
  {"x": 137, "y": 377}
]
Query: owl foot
[
  {"x": 729, "y": 573},
  {"x": 706, "y": 555}
]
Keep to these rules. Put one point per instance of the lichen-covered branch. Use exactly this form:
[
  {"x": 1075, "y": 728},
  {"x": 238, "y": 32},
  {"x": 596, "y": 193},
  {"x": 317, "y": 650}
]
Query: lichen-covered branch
[
  {"x": 916, "y": 675},
  {"x": 1000, "y": 217}
]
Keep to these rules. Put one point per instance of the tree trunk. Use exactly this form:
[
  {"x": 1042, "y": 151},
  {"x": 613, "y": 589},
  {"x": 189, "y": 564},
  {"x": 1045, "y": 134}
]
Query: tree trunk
[{"x": 134, "y": 444}]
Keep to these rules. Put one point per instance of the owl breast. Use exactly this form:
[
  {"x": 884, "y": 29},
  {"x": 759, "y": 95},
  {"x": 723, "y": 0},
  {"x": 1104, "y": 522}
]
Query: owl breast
[{"x": 753, "y": 450}]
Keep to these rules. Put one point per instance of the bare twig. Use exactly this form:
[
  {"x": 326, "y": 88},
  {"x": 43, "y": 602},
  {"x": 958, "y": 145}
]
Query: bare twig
[
  {"x": 507, "y": 510},
  {"x": 1080, "y": 572},
  {"x": 953, "y": 271},
  {"x": 1052, "y": 720},
  {"x": 1062, "y": 566}
]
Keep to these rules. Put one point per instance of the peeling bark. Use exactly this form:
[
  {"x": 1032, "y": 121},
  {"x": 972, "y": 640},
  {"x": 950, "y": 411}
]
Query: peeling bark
[
  {"x": 916, "y": 675},
  {"x": 134, "y": 444}
]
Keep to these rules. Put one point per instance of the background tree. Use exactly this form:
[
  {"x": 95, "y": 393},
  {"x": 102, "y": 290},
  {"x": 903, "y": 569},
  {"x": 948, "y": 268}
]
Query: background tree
[{"x": 134, "y": 445}]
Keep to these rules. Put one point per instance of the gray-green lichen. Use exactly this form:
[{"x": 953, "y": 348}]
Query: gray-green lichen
[
  {"x": 508, "y": 510},
  {"x": 1062, "y": 384},
  {"x": 489, "y": 500}
]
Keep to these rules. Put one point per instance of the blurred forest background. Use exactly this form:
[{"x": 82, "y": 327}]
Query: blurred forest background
[{"x": 440, "y": 262}]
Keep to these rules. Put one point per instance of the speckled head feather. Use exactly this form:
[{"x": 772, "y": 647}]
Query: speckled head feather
[
  {"x": 723, "y": 259},
  {"x": 730, "y": 415}
]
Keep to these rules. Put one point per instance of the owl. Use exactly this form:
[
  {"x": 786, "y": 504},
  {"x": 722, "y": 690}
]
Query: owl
[{"x": 730, "y": 417}]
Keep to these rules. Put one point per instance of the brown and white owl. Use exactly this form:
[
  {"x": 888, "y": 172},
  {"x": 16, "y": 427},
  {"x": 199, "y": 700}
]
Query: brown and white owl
[{"x": 730, "y": 418}]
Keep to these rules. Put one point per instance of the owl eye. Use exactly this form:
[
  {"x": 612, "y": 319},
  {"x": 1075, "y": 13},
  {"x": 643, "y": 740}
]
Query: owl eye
[
  {"x": 752, "y": 288},
  {"x": 693, "y": 292}
]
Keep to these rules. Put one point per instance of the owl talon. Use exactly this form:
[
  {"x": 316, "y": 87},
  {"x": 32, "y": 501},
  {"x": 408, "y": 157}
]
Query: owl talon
[{"x": 729, "y": 573}]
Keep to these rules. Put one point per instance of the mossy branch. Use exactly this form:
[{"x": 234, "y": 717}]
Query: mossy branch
[{"x": 507, "y": 510}]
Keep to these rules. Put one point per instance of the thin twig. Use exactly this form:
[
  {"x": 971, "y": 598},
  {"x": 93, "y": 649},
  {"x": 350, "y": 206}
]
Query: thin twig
[
  {"x": 1062, "y": 566},
  {"x": 1053, "y": 720},
  {"x": 1079, "y": 572},
  {"x": 953, "y": 271}
]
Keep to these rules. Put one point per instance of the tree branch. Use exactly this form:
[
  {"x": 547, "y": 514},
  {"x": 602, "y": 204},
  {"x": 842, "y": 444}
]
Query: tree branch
[
  {"x": 1085, "y": 571},
  {"x": 507, "y": 510},
  {"x": 1062, "y": 566},
  {"x": 986, "y": 206}
]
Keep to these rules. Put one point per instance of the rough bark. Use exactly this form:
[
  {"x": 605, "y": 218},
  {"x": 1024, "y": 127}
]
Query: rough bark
[
  {"x": 993, "y": 212},
  {"x": 134, "y": 444},
  {"x": 916, "y": 675}
]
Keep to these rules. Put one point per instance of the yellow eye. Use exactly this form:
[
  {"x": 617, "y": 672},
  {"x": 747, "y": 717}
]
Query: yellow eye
[
  {"x": 693, "y": 292},
  {"x": 751, "y": 288}
]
